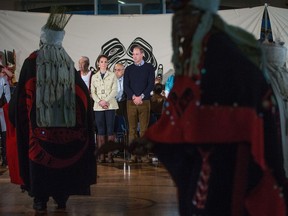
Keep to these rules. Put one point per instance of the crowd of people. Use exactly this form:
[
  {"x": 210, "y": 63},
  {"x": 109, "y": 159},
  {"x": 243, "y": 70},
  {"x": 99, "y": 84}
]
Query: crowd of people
[
  {"x": 133, "y": 93},
  {"x": 214, "y": 124}
]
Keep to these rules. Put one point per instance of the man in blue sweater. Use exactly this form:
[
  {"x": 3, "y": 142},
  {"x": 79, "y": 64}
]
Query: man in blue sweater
[{"x": 138, "y": 84}]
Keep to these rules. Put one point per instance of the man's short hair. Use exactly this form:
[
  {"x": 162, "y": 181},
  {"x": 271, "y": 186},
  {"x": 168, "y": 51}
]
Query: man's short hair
[{"x": 138, "y": 47}]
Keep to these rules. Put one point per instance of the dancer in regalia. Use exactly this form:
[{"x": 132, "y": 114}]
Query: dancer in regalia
[
  {"x": 52, "y": 114},
  {"x": 218, "y": 120}
]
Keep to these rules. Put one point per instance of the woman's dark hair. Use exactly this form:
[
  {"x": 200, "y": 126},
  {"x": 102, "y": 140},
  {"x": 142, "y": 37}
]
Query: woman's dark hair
[{"x": 98, "y": 59}]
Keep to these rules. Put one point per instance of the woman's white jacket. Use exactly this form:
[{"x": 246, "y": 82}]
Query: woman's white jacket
[{"x": 104, "y": 89}]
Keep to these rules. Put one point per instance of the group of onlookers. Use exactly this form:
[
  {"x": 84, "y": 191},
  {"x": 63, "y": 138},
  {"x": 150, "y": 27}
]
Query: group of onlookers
[{"x": 137, "y": 95}]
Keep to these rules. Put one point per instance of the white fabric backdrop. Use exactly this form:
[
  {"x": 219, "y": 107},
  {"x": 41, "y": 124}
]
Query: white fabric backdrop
[{"x": 85, "y": 34}]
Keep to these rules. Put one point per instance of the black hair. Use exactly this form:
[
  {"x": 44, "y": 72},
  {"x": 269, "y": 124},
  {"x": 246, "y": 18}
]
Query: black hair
[{"x": 158, "y": 88}]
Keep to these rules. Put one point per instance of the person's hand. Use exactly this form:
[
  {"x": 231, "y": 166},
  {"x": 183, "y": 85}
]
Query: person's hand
[
  {"x": 106, "y": 105},
  {"x": 7, "y": 72},
  {"x": 137, "y": 100},
  {"x": 103, "y": 104}
]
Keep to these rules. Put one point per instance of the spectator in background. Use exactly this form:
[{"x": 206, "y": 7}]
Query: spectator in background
[
  {"x": 86, "y": 75},
  {"x": 169, "y": 85},
  {"x": 157, "y": 101},
  {"x": 159, "y": 78},
  {"x": 139, "y": 81},
  {"x": 158, "y": 81},
  {"x": 5, "y": 91},
  {"x": 84, "y": 71},
  {"x": 103, "y": 91},
  {"x": 121, "y": 95},
  {"x": 121, "y": 121}
]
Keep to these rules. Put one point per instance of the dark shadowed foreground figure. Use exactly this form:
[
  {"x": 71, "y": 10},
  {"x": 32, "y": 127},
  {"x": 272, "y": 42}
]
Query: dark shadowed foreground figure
[
  {"x": 217, "y": 122},
  {"x": 52, "y": 114}
]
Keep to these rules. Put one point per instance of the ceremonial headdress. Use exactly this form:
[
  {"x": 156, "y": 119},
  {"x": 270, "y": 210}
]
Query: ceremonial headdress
[
  {"x": 209, "y": 8},
  {"x": 209, "y": 18},
  {"x": 55, "y": 77}
]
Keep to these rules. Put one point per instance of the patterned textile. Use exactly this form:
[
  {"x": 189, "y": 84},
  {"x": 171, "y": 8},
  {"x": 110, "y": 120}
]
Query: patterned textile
[
  {"x": 56, "y": 158},
  {"x": 222, "y": 108}
]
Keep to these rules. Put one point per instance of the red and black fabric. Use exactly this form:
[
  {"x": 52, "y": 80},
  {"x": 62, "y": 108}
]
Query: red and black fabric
[
  {"x": 219, "y": 112},
  {"x": 12, "y": 150},
  {"x": 53, "y": 160}
]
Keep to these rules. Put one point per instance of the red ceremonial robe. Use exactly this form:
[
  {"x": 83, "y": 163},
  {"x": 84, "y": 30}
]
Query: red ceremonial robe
[
  {"x": 214, "y": 127},
  {"x": 53, "y": 160}
]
